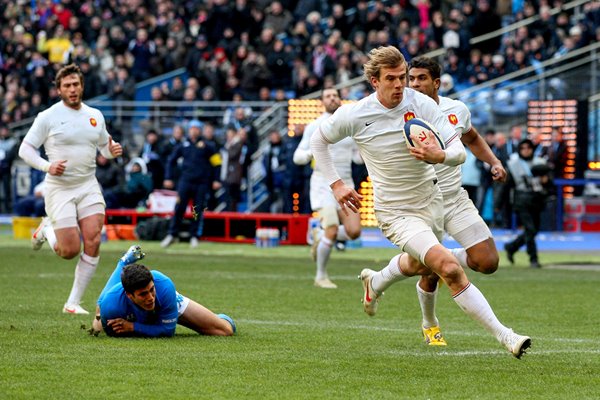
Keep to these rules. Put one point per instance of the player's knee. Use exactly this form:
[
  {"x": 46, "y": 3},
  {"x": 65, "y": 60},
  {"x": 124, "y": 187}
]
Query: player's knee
[
  {"x": 68, "y": 253},
  {"x": 353, "y": 233},
  {"x": 449, "y": 269},
  {"x": 485, "y": 263}
]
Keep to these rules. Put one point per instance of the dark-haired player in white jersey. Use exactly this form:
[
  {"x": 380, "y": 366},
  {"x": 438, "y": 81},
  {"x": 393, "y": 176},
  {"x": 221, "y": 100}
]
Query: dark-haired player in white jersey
[
  {"x": 71, "y": 133},
  {"x": 461, "y": 218},
  {"x": 408, "y": 201},
  {"x": 321, "y": 197}
]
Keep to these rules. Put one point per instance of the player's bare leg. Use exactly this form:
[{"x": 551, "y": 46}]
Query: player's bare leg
[
  {"x": 202, "y": 320},
  {"x": 471, "y": 300},
  {"x": 90, "y": 228}
]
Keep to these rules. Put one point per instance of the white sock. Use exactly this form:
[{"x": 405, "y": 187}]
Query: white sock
[
  {"x": 390, "y": 274},
  {"x": 427, "y": 302},
  {"x": 84, "y": 271},
  {"x": 50, "y": 236},
  {"x": 474, "y": 304},
  {"x": 342, "y": 235},
  {"x": 461, "y": 256},
  {"x": 323, "y": 253}
]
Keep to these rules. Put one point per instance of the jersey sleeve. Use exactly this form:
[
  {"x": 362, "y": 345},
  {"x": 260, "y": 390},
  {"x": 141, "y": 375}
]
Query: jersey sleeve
[
  {"x": 338, "y": 126},
  {"x": 303, "y": 154},
  {"x": 464, "y": 118},
  {"x": 38, "y": 133},
  {"x": 104, "y": 135},
  {"x": 166, "y": 319}
]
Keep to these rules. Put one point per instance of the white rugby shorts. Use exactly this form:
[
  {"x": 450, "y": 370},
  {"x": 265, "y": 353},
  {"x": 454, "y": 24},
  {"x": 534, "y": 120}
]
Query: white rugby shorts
[
  {"x": 68, "y": 203},
  {"x": 463, "y": 222},
  {"x": 321, "y": 194},
  {"x": 425, "y": 225},
  {"x": 182, "y": 303}
]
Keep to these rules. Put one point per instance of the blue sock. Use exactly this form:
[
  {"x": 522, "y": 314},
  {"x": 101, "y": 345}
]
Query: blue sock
[{"x": 228, "y": 319}]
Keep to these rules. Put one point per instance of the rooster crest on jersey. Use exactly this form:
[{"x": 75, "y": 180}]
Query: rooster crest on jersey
[{"x": 420, "y": 133}]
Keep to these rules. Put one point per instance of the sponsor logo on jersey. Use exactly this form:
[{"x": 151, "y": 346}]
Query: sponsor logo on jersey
[
  {"x": 408, "y": 116},
  {"x": 93, "y": 122},
  {"x": 453, "y": 119}
]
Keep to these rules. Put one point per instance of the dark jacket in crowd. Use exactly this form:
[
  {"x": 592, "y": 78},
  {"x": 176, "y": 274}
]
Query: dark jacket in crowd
[{"x": 199, "y": 160}]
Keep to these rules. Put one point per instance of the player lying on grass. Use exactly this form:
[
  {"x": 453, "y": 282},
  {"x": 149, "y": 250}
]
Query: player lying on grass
[{"x": 140, "y": 302}]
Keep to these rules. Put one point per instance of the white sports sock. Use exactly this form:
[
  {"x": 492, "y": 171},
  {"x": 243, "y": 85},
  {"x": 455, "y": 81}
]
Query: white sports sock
[
  {"x": 461, "y": 256},
  {"x": 341, "y": 234},
  {"x": 323, "y": 253},
  {"x": 387, "y": 276},
  {"x": 84, "y": 271},
  {"x": 50, "y": 236},
  {"x": 427, "y": 302},
  {"x": 474, "y": 304}
]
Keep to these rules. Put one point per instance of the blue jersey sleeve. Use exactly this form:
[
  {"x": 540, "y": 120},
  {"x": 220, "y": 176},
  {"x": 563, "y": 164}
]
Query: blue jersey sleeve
[{"x": 166, "y": 309}]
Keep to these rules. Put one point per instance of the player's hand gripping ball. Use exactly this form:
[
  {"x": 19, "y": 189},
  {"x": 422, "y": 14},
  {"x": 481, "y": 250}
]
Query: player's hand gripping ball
[{"x": 420, "y": 133}]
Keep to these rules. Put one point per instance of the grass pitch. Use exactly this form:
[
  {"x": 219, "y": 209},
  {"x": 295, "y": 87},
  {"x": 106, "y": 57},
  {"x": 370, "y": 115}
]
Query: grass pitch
[{"x": 296, "y": 341}]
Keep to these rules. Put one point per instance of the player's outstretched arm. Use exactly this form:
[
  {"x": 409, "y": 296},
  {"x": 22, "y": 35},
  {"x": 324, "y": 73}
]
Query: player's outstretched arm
[{"x": 483, "y": 152}]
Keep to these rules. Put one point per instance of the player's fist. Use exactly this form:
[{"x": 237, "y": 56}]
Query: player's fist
[
  {"x": 57, "y": 168},
  {"x": 498, "y": 173},
  {"x": 114, "y": 147}
]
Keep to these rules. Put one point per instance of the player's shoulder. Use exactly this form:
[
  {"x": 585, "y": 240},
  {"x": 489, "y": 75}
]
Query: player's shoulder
[
  {"x": 51, "y": 112},
  {"x": 91, "y": 110},
  {"x": 161, "y": 280},
  {"x": 416, "y": 97},
  {"x": 446, "y": 103},
  {"x": 357, "y": 110}
]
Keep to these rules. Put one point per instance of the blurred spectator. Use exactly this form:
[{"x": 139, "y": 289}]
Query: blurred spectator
[
  {"x": 274, "y": 165},
  {"x": 502, "y": 206},
  {"x": 471, "y": 176},
  {"x": 153, "y": 155},
  {"x": 555, "y": 153},
  {"x": 177, "y": 137},
  {"x": 278, "y": 18},
  {"x": 253, "y": 74},
  {"x": 121, "y": 86},
  {"x": 279, "y": 61},
  {"x": 32, "y": 205},
  {"x": 529, "y": 176},
  {"x": 485, "y": 21},
  {"x": 137, "y": 188},
  {"x": 57, "y": 47},
  {"x": 209, "y": 135},
  {"x": 198, "y": 173},
  {"x": 242, "y": 121},
  {"x": 446, "y": 85},
  {"x": 143, "y": 50},
  {"x": 8, "y": 153},
  {"x": 515, "y": 137},
  {"x": 108, "y": 173},
  {"x": 236, "y": 166}
]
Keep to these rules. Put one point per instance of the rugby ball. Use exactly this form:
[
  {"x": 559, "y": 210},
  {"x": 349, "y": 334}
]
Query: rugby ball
[{"x": 420, "y": 133}]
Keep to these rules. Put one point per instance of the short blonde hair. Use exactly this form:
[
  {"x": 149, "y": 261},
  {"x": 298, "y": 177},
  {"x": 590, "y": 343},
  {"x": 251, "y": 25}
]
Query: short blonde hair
[{"x": 382, "y": 57}]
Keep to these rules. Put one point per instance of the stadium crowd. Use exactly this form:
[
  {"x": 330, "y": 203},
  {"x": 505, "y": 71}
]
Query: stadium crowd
[{"x": 256, "y": 50}]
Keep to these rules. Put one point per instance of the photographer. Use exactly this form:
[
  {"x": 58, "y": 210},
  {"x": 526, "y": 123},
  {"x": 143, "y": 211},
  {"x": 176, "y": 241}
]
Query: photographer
[{"x": 530, "y": 179}]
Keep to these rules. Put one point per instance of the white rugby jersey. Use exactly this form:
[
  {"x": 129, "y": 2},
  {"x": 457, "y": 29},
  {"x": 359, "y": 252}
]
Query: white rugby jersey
[
  {"x": 341, "y": 152},
  {"x": 72, "y": 135},
  {"x": 400, "y": 181},
  {"x": 459, "y": 116}
]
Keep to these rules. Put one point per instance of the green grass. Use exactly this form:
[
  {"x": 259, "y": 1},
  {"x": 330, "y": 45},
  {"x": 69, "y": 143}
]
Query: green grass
[{"x": 295, "y": 341}]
